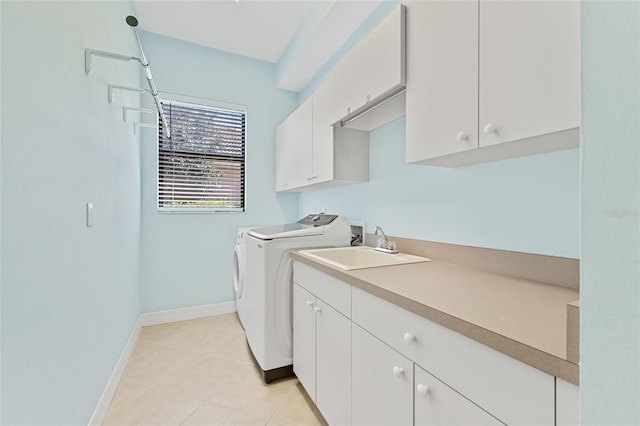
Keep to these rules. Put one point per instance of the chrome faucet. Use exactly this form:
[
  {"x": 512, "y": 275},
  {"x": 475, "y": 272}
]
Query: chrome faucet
[{"x": 384, "y": 244}]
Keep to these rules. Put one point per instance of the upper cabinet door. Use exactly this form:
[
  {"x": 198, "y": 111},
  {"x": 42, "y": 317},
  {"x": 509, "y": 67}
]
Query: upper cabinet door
[
  {"x": 303, "y": 134},
  {"x": 323, "y": 135},
  {"x": 380, "y": 58},
  {"x": 442, "y": 78},
  {"x": 376, "y": 65},
  {"x": 529, "y": 69},
  {"x": 293, "y": 145}
]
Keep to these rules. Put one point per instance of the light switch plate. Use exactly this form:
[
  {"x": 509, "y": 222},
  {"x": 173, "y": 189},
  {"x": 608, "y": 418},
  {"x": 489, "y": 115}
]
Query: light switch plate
[{"x": 89, "y": 215}]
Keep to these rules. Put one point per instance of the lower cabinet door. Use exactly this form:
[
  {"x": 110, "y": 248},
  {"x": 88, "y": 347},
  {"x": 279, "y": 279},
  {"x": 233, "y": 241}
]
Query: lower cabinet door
[
  {"x": 333, "y": 365},
  {"x": 438, "y": 404},
  {"x": 567, "y": 404},
  {"x": 382, "y": 382},
  {"x": 304, "y": 339}
]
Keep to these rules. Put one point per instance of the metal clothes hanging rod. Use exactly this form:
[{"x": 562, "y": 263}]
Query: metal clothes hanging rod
[{"x": 132, "y": 21}]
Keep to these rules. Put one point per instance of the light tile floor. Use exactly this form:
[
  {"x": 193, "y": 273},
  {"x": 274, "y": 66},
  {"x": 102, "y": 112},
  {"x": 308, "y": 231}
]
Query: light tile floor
[{"x": 200, "y": 372}]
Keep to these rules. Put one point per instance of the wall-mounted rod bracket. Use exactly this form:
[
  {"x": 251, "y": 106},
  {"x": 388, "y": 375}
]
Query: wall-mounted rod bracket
[
  {"x": 126, "y": 109},
  {"x": 146, "y": 125},
  {"x": 90, "y": 53},
  {"x": 113, "y": 87}
]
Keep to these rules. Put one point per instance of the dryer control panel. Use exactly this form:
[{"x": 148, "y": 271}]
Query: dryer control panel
[{"x": 319, "y": 219}]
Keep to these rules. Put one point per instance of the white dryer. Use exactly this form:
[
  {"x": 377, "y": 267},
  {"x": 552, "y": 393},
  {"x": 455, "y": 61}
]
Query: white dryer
[
  {"x": 267, "y": 293},
  {"x": 239, "y": 267}
]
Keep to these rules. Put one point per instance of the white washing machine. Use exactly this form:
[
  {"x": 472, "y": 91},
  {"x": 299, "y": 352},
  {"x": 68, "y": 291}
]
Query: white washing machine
[
  {"x": 239, "y": 266},
  {"x": 267, "y": 293}
]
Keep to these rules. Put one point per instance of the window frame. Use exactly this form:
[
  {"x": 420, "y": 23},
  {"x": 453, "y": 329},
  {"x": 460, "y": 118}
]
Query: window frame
[{"x": 168, "y": 97}]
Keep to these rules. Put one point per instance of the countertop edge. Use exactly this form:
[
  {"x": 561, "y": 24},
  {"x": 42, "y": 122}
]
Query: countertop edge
[{"x": 548, "y": 363}]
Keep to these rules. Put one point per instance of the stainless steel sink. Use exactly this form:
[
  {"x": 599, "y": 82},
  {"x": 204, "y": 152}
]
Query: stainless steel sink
[{"x": 349, "y": 258}]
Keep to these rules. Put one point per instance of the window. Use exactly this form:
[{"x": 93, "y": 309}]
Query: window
[{"x": 201, "y": 167}]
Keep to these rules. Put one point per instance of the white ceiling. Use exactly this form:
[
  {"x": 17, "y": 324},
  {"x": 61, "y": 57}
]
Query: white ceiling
[{"x": 260, "y": 29}]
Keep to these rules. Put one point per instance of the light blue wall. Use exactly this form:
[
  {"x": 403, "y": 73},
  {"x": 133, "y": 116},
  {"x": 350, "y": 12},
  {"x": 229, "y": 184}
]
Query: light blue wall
[
  {"x": 610, "y": 295},
  {"x": 529, "y": 204},
  {"x": 187, "y": 258},
  {"x": 70, "y": 294}
]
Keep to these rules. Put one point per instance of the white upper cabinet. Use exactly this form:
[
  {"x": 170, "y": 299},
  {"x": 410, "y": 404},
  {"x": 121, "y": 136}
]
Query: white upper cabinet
[
  {"x": 529, "y": 69},
  {"x": 377, "y": 64},
  {"x": 489, "y": 80},
  {"x": 323, "y": 135},
  {"x": 310, "y": 153},
  {"x": 442, "y": 78},
  {"x": 371, "y": 71},
  {"x": 293, "y": 147}
]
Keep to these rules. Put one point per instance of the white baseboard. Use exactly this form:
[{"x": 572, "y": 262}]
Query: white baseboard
[
  {"x": 182, "y": 314},
  {"x": 112, "y": 384},
  {"x": 150, "y": 318}
]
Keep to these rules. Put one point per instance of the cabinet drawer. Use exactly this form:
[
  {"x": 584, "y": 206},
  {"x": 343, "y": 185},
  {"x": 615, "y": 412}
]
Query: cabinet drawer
[
  {"x": 327, "y": 288},
  {"x": 513, "y": 392}
]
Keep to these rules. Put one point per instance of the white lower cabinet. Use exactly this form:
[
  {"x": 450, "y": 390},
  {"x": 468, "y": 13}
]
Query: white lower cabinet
[
  {"x": 366, "y": 361},
  {"x": 322, "y": 355},
  {"x": 513, "y": 392},
  {"x": 382, "y": 383},
  {"x": 304, "y": 339},
  {"x": 567, "y": 404},
  {"x": 436, "y": 404},
  {"x": 333, "y": 364}
]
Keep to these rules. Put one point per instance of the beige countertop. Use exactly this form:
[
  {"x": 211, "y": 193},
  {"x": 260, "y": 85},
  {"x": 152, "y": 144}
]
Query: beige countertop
[{"x": 524, "y": 319}]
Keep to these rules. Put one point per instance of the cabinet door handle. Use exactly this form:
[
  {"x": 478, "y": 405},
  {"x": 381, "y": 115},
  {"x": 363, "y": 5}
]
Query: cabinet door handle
[
  {"x": 490, "y": 128},
  {"x": 462, "y": 137},
  {"x": 422, "y": 390},
  {"x": 317, "y": 309},
  {"x": 310, "y": 302},
  {"x": 409, "y": 338},
  {"x": 398, "y": 371}
]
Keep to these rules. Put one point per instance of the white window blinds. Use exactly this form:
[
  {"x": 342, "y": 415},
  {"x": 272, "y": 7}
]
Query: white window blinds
[{"x": 201, "y": 167}]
